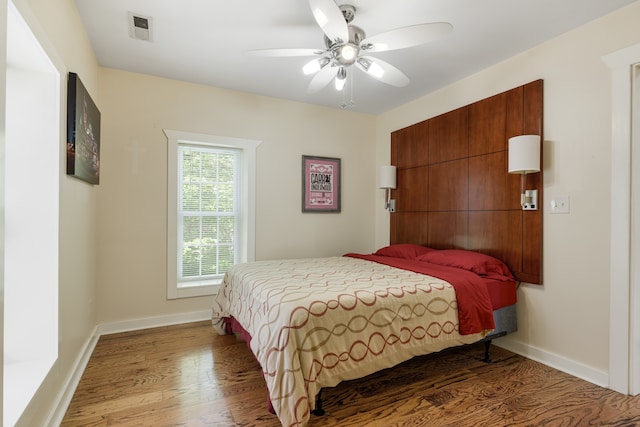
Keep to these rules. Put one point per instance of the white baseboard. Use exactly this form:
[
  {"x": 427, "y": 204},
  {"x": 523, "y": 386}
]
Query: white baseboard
[
  {"x": 73, "y": 379},
  {"x": 153, "y": 322},
  {"x": 66, "y": 394},
  {"x": 552, "y": 360}
]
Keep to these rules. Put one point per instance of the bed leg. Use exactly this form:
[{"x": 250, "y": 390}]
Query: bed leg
[
  {"x": 487, "y": 353},
  {"x": 318, "y": 411}
]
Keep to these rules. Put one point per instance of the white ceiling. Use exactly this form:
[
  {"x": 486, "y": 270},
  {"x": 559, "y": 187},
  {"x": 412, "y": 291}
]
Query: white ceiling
[{"x": 206, "y": 42}]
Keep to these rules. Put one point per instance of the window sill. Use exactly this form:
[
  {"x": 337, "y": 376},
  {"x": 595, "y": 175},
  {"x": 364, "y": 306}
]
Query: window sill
[{"x": 194, "y": 289}]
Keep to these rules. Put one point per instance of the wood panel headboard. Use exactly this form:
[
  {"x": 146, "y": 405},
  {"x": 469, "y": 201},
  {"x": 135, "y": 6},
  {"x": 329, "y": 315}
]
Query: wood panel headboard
[{"x": 453, "y": 189}]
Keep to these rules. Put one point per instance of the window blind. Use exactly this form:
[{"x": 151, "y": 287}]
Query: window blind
[{"x": 208, "y": 215}]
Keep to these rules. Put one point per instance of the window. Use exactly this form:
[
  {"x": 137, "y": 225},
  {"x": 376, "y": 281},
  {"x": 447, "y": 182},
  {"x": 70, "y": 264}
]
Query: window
[
  {"x": 208, "y": 214},
  {"x": 31, "y": 211},
  {"x": 210, "y": 210}
]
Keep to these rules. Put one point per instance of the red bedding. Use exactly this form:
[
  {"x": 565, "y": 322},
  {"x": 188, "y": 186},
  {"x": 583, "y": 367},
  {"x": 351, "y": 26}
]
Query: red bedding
[
  {"x": 475, "y": 310},
  {"x": 501, "y": 293}
]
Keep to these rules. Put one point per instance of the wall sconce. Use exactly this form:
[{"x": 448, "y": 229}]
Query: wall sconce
[
  {"x": 524, "y": 158},
  {"x": 387, "y": 182}
]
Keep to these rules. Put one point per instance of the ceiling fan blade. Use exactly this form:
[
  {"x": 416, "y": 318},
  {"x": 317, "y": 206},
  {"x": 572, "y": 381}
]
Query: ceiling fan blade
[
  {"x": 322, "y": 78},
  {"x": 329, "y": 17},
  {"x": 286, "y": 52},
  {"x": 405, "y": 37},
  {"x": 383, "y": 71}
]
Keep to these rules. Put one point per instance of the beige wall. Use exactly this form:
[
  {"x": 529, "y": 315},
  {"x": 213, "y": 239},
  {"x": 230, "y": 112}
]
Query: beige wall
[
  {"x": 568, "y": 317},
  {"x": 132, "y": 193}
]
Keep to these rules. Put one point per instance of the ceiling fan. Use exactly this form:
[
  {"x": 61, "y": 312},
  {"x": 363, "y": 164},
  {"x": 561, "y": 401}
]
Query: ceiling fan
[{"x": 347, "y": 45}]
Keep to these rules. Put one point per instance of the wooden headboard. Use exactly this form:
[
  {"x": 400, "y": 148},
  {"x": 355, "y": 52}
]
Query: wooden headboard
[{"x": 453, "y": 189}]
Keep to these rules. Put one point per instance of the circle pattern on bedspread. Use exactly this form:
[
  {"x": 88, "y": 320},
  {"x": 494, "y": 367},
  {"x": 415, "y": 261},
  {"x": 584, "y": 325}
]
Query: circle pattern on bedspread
[{"x": 315, "y": 322}]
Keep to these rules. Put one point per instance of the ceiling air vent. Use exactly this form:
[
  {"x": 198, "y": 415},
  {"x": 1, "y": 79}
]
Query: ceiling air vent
[{"x": 140, "y": 27}]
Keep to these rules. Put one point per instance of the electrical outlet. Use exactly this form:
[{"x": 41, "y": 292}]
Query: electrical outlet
[{"x": 560, "y": 205}]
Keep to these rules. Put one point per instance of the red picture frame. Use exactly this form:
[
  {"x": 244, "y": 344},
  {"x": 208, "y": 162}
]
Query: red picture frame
[{"x": 320, "y": 184}]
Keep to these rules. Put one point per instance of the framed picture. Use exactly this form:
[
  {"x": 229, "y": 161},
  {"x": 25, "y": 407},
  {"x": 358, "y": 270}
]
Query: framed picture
[
  {"x": 320, "y": 184},
  {"x": 83, "y": 133}
]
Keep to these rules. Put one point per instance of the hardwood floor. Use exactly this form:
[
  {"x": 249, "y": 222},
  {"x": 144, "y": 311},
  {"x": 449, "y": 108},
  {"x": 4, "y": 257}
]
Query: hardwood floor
[{"x": 187, "y": 375}]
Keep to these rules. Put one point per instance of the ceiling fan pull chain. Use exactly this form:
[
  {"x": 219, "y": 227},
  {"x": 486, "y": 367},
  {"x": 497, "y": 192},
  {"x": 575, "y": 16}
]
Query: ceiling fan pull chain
[
  {"x": 344, "y": 92},
  {"x": 351, "y": 101}
]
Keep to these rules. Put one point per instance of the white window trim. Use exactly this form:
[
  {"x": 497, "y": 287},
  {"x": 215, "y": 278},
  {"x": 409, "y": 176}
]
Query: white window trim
[{"x": 247, "y": 204}]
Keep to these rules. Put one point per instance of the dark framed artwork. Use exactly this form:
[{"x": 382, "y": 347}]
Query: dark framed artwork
[
  {"x": 320, "y": 184},
  {"x": 83, "y": 133}
]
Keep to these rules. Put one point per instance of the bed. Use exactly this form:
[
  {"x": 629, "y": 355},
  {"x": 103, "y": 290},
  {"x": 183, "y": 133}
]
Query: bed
[{"x": 312, "y": 323}]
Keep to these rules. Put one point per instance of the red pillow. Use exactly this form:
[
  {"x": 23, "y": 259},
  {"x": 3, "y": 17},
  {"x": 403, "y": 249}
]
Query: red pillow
[
  {"x": 403, "y": 250},
  {"x": 481, "y": 264}
]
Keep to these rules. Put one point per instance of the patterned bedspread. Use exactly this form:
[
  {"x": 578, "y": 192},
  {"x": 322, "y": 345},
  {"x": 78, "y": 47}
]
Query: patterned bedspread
[{"x": 317, "y": 322}]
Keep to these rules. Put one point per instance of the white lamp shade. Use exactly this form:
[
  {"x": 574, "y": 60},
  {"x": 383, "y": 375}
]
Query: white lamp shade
[
  {"x": 524, "y": 154},
  {"x": 387, "y": 177}
]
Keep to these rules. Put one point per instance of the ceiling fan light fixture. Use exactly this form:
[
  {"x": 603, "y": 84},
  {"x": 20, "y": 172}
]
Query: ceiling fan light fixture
[
  {"x": 347, "y": 54},
  {"x": 371, "y": 67},
  {"x": 341, "y": 78},
  {"x": 314, "y": 65},
  {"x": 379, "y": 47},
  {"x": 376, "y": 70}
]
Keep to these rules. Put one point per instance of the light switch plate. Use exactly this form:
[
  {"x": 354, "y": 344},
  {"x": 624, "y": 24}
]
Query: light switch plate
[{"x": 560, "y": 205}]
